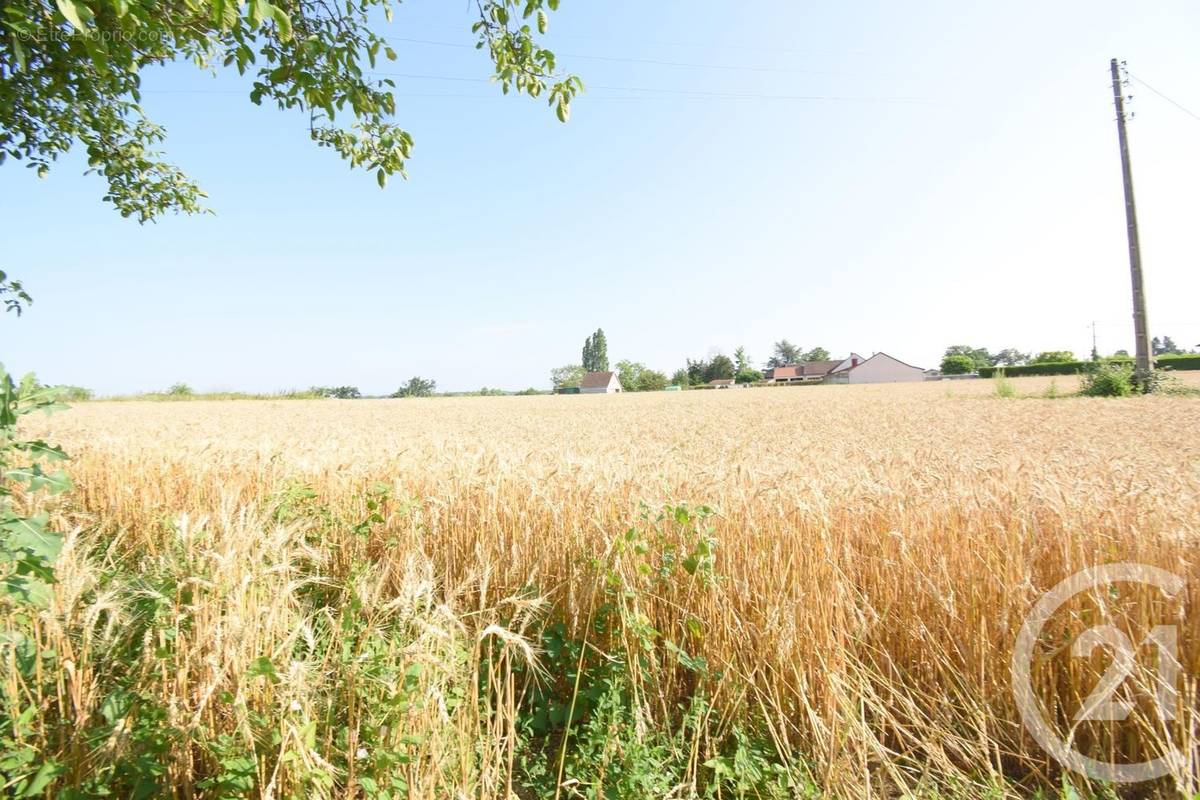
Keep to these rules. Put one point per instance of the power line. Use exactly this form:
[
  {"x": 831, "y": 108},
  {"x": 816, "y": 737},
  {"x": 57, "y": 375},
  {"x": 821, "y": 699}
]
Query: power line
[
  {"x": 1180, "y": 106},
  {"x": 652, "y": 61},
  {"x": 657, "y": 43},
  {"x": 690, "y": 92}
]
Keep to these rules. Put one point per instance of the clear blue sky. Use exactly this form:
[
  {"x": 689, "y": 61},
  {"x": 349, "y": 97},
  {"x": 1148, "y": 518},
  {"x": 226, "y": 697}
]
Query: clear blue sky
[{"x": 989, "y": 213}]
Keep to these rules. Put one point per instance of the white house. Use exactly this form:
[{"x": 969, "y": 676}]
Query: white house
[
  {"x": 879, "y": 368},
  {"x": 722, "y": 383},
  {"x": 600, "y": 383}
]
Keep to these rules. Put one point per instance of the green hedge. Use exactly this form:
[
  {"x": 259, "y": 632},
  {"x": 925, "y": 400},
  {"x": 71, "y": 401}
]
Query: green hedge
[
  {"x": 1072, "y": 367},
  {"x": 1179, "y": 362}
]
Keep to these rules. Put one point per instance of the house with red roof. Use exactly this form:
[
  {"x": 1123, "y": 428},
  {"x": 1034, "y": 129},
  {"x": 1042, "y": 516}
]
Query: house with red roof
[{"x": 600, "y": 383}]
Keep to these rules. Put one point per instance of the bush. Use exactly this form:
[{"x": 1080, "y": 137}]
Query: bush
[
  {"x": 180, "y": 390},
  {"x": 74, "y": 394},
  {"x": 417, "y": 387},
  {"x": 1045, "y": 368},
  {"x": 1179, "y": 362},
  {"x": 1053, "y": 357},
  {"x": 1108, "y": 380},
  {"x": 1183, "y": 362},
  {"x": 651, "y": 381},
  {"x": 958, "y": 365},
  {"x": 749, "y": 376},
  {"x": 339, "y": 392}
]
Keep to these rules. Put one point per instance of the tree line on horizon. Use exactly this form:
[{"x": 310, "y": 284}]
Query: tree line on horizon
[
  {"x": 635, "y": 376},
  {"x": 960, "y": 359}
]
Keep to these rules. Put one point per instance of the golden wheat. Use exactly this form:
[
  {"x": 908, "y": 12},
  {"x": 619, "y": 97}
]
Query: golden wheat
[{"x": 879, "y": 547}]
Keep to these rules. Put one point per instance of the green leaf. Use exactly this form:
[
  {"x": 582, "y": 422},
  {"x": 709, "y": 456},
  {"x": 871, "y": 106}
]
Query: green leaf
[
  {"x": 258, "y": 12},
  {"x": 46, "y": 773},
  {"x": 116, "y": 706},
  {"x": 30, "y": 534},
  {"x": 19, "y": 54},
  {"x": 283, "y": 22},
  {"x": 262, "y": 667},
  {"x": 39, "y": 449},
  {"x": 26, "y": 589},
  {"x": 74, "y": 12},
  {"x": 563, "y": 111},
  {"x": 56, "y": 482},
  {"x": 381, "y": 178},
  {"x": 543, "y": 21}
]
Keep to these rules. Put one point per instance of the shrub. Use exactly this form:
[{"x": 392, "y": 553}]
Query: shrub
[
  {"x": 74, "y": 394},
  {"x": 651, "y": 381},
  {"x": 958, "y": 365},
  {"x": 339, "y": 392},
  {"x": 748, "y": 376},
  {"x": 179, "y": 390},
  {"x": 1004, "y": 387},
  {"x": 416, "y": 387},
  {"x": 1184, "y": 362},
  {"x": 1179, "y": 362},
  {"x": 1108, "y": 380},
  {"x": 1053, "y": 357},
  {"x": 1164, "y": 383}
]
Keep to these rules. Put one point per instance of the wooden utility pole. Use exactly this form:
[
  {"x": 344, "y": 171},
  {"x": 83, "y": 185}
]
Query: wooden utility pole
[{"x": 1143, "y": 359}]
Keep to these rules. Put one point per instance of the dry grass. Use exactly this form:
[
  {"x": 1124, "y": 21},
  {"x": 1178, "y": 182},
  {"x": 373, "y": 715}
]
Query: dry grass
[{"x": 879, "y": 547}]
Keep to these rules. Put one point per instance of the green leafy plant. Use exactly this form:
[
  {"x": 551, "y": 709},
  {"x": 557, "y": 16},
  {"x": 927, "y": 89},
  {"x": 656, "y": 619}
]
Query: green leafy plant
[
  {"x": 957, "y": 364},
  {"x": 1108, "y": 380},
  {"x": 72, "y": 76},
  {"x": 28, "y": 548},
  {"x": 1003, "y": 386},
  {"x": 12, "y": 293},
  {"x": 583, "y": 721}
]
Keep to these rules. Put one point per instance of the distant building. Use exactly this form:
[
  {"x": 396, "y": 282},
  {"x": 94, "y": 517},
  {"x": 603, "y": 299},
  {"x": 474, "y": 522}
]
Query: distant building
[
  {"x": 879, "y": 368},
  {"x": 721, "y": 383},
  {"x": 849, "y": 362},
  {"x": 809, "y": 371},
  {"x": 600, "y": 383}
]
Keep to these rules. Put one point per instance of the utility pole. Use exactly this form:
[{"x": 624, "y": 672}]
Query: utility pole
[
  {"x": 1143, "y": 363},
  {"x": 1095, "y": 352}
]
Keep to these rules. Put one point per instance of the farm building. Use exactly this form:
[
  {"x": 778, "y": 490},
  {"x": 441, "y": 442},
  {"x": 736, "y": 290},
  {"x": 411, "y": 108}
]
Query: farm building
[
  {"x": 721, "y": 383},
  {"x": 600, "y": 383},
  {"x": 879, "y": 368}
]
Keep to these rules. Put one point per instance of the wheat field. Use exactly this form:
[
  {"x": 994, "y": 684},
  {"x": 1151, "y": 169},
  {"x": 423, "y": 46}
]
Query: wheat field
[{"x": 352, "y": 598}]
